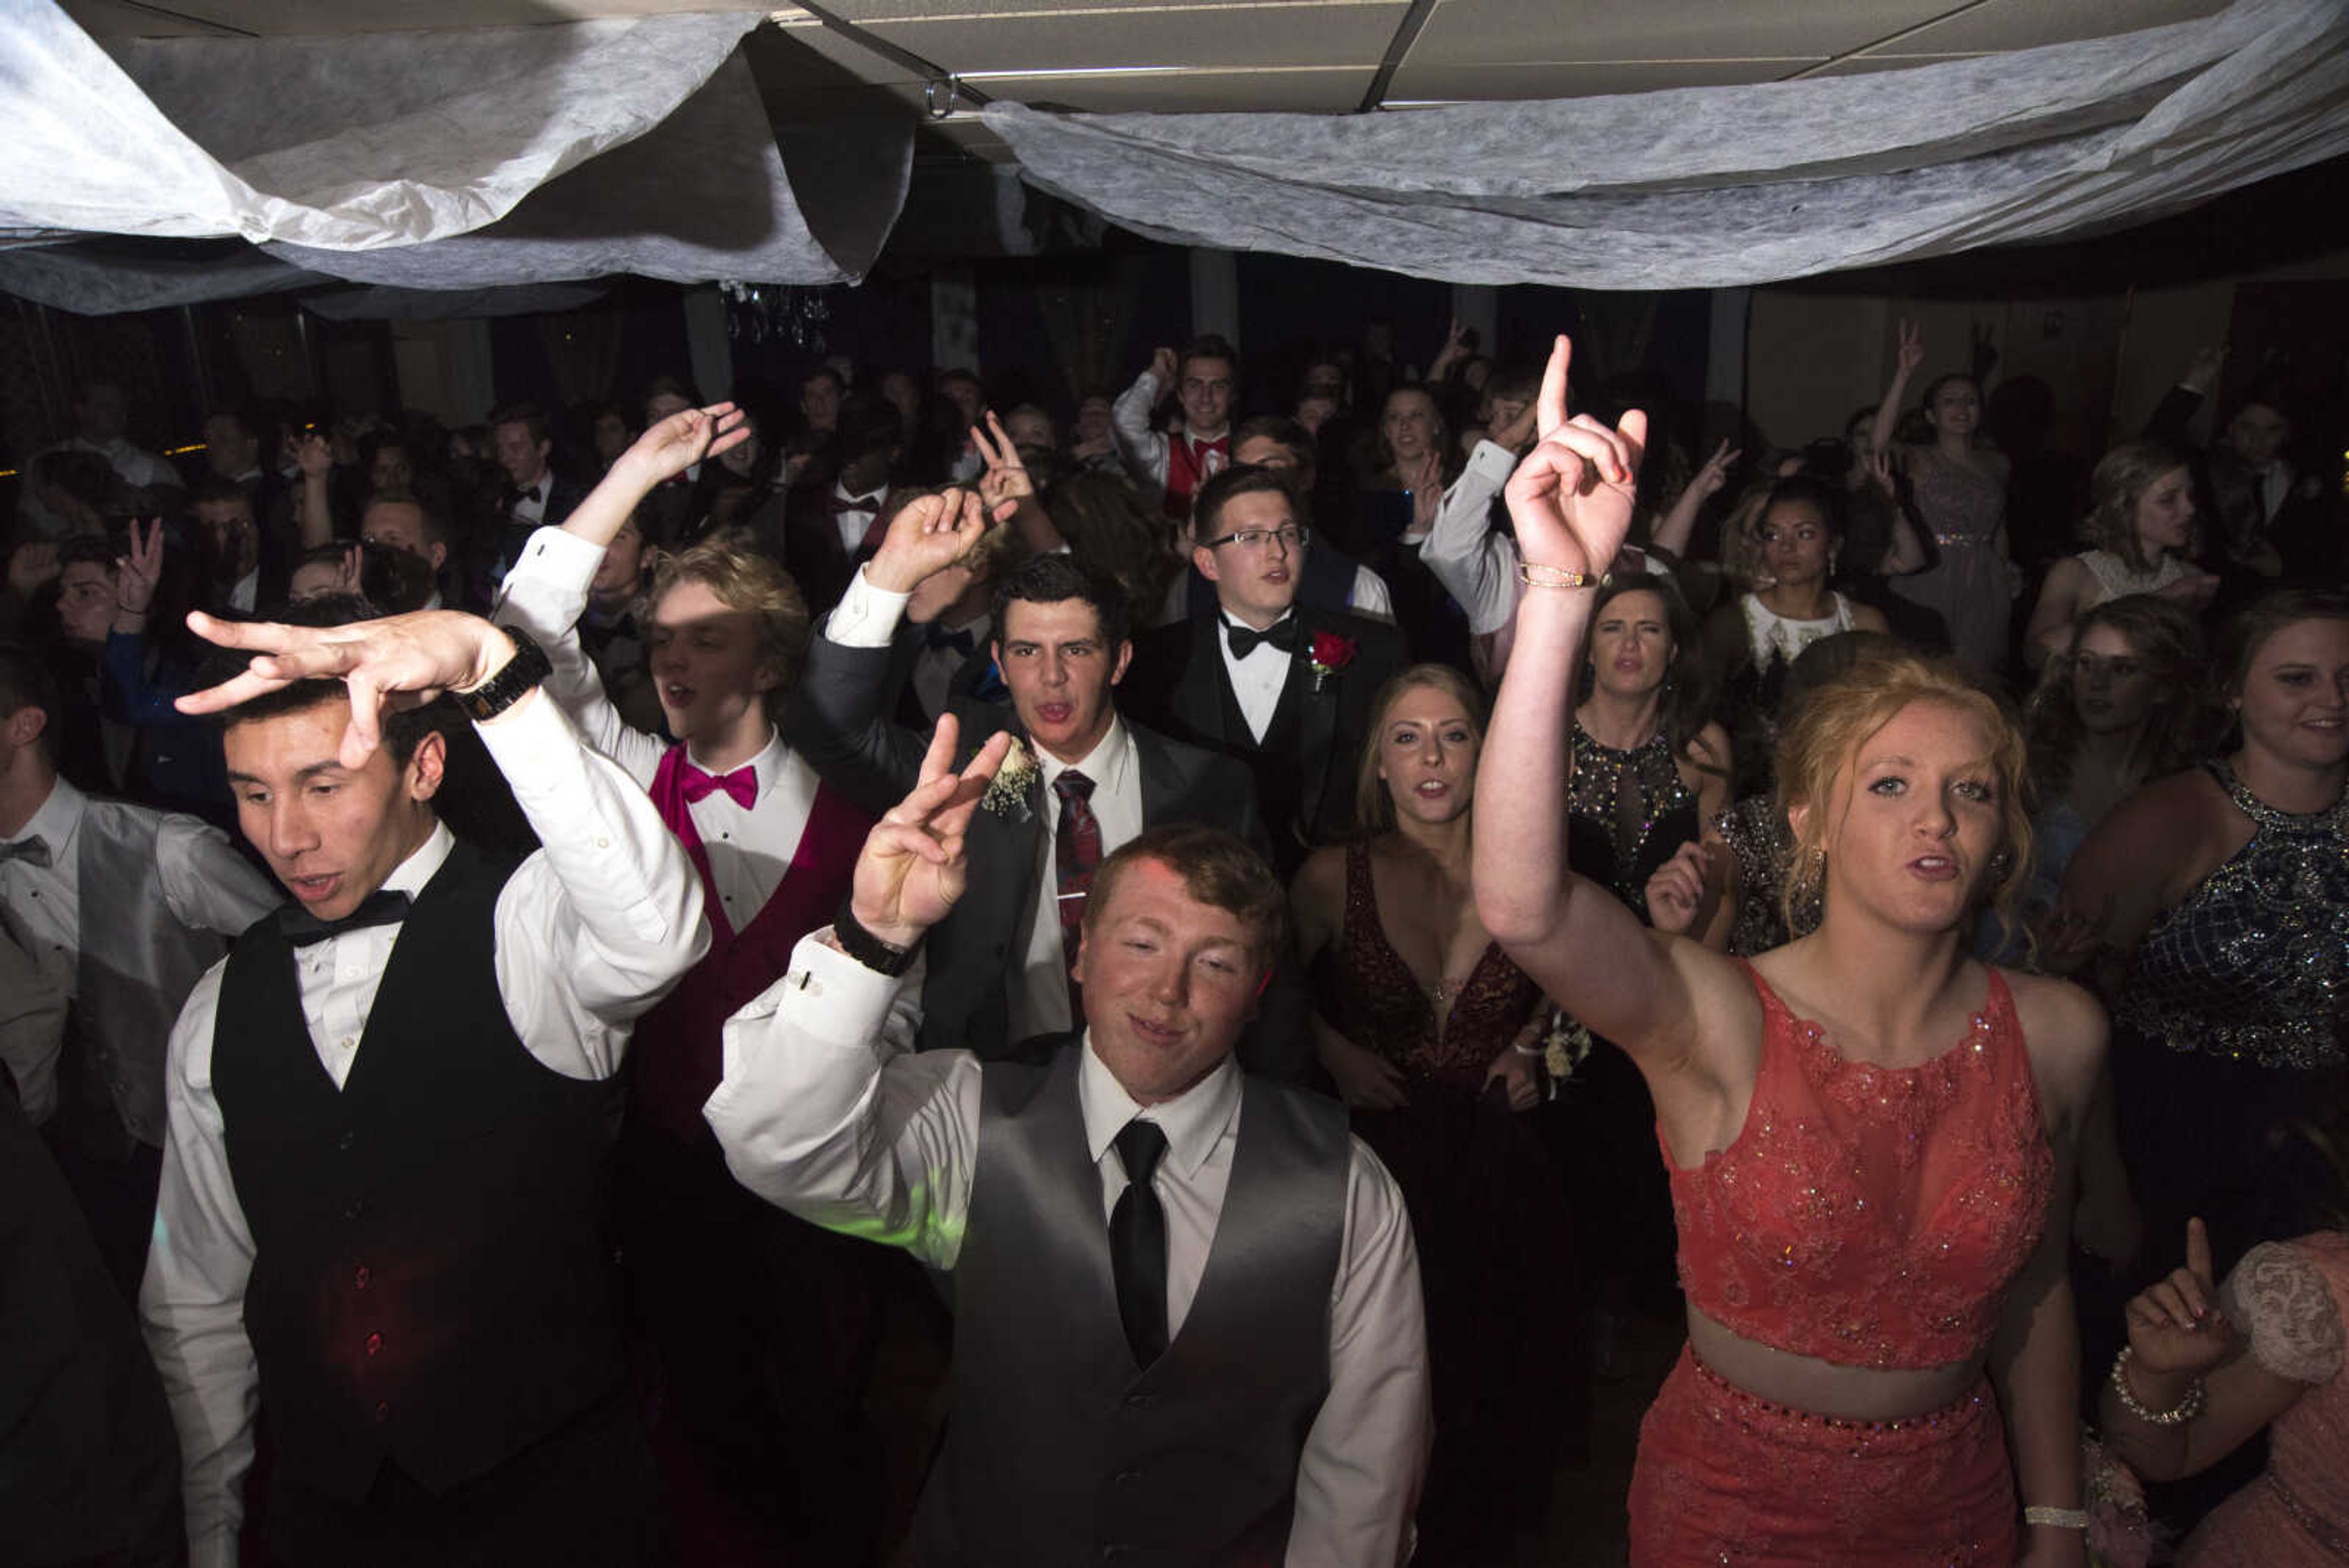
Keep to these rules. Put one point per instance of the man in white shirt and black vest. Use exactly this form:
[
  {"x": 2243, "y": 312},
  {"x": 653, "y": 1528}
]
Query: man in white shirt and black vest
[
  {"x": 391, "y": 1113},
  {"x": 1187, "y": 1317}
]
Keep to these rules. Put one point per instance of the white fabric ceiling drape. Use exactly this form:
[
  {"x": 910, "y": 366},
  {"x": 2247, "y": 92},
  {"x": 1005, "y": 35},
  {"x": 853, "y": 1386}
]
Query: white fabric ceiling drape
[{"x": 1715, "y": 187}]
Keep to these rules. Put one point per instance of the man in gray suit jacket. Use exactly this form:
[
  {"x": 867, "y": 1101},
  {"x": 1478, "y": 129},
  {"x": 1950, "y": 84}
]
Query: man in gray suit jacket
[{"x": 998, "y": 968}]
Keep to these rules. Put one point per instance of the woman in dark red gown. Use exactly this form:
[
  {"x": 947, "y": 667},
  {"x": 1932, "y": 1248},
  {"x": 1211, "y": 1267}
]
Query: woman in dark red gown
[{"x": 1430, "y": 1032}]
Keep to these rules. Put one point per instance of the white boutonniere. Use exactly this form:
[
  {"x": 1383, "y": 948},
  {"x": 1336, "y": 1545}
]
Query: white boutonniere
[{"x": 1006, "y": 792}]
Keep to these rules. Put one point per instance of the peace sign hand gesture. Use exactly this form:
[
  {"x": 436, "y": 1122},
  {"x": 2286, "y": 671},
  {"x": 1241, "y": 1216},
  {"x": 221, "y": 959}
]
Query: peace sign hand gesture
[
  {"x": 2176, "y": 1325},
  {"x": 137, "y": 574},
  {"x": 1005, "y": 484},
  {"x": 914, "y": 865},
  {"x": 1572, "y": 498}
]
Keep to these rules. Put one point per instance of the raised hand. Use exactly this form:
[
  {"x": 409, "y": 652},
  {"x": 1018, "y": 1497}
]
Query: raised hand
[
  {"x": 314, "y": 456},
  {"x": 1164, "y": 364},
  {"x": 913, "y": 864},
  {"x": 1710, "y": 478},
  {"x": 929, "y": 533},
  {"x": 667, "y": 449},
  {"x": 1878, "y": 468},
  {"x": 137, "y": 574},
  {"x": 30, "y": 566},
  {"x": 403, "y": 660},
  {"x": 1513, "y": 425},
  {"x": 1005, "y": 483},
  {"x": 2202, "y": 370},
  {"x": 1572, "y": 498},
  {"x": 2176, "y": 1325},
  {"x": 1678, "y": 891},
  {"x": 1909, "y": 353}
]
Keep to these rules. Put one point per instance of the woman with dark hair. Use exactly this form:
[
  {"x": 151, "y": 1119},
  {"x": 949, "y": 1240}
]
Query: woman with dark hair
[
  {"x": 1430, "y": 1035},
  {"x": 2141, "y": 527},
  {"x": 2123, "y": 703},
  {"x": 1750, "y": 641},
  {"x": 1106, "y": 524},
  {"x": 1960, "y": 489},
  {"x": 2216, "y": 900}
]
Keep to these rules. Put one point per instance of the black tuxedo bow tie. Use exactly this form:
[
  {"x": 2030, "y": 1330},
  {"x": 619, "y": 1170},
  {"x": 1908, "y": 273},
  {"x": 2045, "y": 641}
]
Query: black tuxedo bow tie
[
  {"x": 383, "y": 907},
  {"x": 1281, "y": 634}
]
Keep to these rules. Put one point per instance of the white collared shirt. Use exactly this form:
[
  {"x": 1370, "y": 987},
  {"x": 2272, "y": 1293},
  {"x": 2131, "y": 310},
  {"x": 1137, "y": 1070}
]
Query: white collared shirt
[
  {"x": 529, "y": 505},
  {"x": 202, "y": 880},
  {"x": 1258, "y": 680},
  {"x": 245, "y": 599},
  {"x": 749, "y": 851},
  {"x": 591, "y": 932},
  {"x": 824, "y": 1111},
  {"x": 936, "y": 668},
  {"x": 1040, "y": 993},
  {"x": 853, "y": 525}
]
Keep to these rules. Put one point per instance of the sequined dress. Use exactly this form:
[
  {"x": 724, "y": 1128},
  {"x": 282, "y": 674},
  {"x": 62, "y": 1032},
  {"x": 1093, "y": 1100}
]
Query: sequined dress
[
  {"x": 2233, "y": 1011},
  {"x": 1489, "y": 1217},
  {"x": 1969, "y": 585}
]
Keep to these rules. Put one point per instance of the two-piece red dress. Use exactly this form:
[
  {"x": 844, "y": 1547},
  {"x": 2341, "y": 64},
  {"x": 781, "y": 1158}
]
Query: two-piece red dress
[{"x": 1870, "y": 1216}]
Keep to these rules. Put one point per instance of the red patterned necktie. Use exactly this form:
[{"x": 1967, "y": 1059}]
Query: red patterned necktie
[
  {"x": 1076, "y": 855},
  {"x": 743, "y": 784}
]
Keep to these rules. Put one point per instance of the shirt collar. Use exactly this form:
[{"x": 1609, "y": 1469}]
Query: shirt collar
[
  {"x": 766, "y": 767},
  {"x": 1104, "y": 765},
  {"x": 57, "y": 822},
  {"x": 410, "y": 875},
  {"x": 872, "y": 497},
  {"x": 1194, "y": 1121}
]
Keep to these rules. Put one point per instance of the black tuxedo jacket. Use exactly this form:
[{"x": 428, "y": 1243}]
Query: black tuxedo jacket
[
  {"x": 1304, "y": 767},
  {"x": 808, "y": 544},
  {"x": 838, "y": 721}
]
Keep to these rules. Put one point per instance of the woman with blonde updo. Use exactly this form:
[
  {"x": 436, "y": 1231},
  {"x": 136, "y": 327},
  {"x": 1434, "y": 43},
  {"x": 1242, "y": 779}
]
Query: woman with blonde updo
[
  {"x": 1869, "y": 1133},
  {"x": 2141, "y": 526}
]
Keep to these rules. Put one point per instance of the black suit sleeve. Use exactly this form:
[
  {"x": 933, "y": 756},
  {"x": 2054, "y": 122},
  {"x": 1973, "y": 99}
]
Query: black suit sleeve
[
  {"x": 838, "y": 720},
  {"x": 2172, "y": 415}
]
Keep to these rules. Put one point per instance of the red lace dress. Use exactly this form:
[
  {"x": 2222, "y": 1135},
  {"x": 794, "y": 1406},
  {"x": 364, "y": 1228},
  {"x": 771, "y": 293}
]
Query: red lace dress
[
  {"x": 1870, "y": 1216},
  {"x": 1489, "y": 1218}
]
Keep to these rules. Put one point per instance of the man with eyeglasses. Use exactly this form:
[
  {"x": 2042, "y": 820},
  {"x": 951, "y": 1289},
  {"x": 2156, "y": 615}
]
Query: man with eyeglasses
[
  {"x": 1202, "y": 378},
  {"x": 1284, "y": 688}
]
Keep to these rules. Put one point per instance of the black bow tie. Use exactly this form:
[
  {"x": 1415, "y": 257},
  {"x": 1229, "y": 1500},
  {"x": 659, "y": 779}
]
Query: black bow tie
[
  {"x": 1281, "y": 634},
  {"x": 300, "y": 928},
  {"x": 959, "y": 639},
  {"x": 32, "y": 851}
]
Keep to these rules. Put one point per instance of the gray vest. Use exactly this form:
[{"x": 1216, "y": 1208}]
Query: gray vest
[
  {"x": 1059, "y": 1451},
  {"x": 138, "y": 962}
]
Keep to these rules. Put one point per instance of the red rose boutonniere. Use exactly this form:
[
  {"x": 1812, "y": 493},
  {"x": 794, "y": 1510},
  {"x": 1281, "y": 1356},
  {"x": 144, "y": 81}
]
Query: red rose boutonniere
[{"x": 1330, "y": 654}]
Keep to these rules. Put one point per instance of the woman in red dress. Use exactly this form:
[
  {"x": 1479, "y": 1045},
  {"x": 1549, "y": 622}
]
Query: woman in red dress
[{"x": 1870, "y": 1134}]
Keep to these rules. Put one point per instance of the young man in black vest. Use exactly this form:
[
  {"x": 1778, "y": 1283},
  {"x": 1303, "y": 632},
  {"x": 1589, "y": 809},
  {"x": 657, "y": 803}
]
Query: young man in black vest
[
  {"x": 1283, "y": 687},
  {"x": 391, "y": 1113},
  {"x": 1187, "y": 1316}
]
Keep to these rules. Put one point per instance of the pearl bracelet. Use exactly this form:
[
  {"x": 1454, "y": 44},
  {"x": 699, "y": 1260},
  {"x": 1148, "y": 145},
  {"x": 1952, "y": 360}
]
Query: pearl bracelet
[{"x": 2197, "y": 1397}]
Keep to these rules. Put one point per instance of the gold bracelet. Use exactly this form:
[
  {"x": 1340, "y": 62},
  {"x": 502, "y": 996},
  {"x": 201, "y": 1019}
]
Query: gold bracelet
[
  {"x": 2060, "y": 1518},
  {"x": 2197, "y": 1397},
  {"x": 1538, "y": 577}
]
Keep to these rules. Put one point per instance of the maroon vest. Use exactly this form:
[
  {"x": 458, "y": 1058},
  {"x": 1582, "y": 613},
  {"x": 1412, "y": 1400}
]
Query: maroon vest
[{"x": 678, "y": 1054}]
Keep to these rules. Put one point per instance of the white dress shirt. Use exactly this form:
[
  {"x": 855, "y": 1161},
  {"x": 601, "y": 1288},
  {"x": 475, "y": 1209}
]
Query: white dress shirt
[
  {"x": 205, "y": 883},
  {"x": 245, "y": 599},
  {"x": 529, "y": 505},
  {"x": 1257, "y": 679},
  {"x": 853, "y": 524},
  {"x": 822, "y": 1112},
  {"x": 936, "y": 668},
  {"x": 1039, "y": 1001},
  {"x": 591, "y": 932},
  {"x": 748, "y": 850},
  {"x": 31, "y": 1030}
]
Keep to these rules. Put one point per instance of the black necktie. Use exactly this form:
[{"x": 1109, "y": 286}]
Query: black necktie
[
  {"x": 1137, "y": 1243},
  {"x": 32, "y": 851},
  {"x": 383, "y": 907},
  {"x": 1281, "y": 634}
]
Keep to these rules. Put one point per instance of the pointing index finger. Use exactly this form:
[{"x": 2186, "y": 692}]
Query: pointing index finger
[{"x": 1552, "y": 402}]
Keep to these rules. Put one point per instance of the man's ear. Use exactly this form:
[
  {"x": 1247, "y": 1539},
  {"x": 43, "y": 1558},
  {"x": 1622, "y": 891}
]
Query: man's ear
[
  {"x": 427, "y": 766},
  {"x": 439, "y": 556},
  {"x": 1124, "y": 658},
  {"x": 25, "y": 724},
  {"x": 1205, "y": 559}
]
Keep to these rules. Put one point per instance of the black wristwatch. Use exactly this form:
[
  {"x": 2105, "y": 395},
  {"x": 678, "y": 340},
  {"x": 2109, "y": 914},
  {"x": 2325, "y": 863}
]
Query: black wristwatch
[
  {"x": 868, "y": 949},
  {"x": 519, "y": 675}
]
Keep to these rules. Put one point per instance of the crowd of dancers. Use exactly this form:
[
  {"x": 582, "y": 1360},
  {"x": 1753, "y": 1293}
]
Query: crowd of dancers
[{"x": 786, "y": 959}]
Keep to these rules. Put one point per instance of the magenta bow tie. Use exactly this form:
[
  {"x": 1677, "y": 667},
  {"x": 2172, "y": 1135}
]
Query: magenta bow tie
[{"x": 743, "y": 784}]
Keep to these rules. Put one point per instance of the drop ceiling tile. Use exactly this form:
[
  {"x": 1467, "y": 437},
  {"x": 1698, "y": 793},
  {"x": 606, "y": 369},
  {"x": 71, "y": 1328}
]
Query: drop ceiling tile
[
  {"x": 866, "y": 12},
  {"x": 1303, "y": 91},
  {"x": 1997, "y": 25},
  {"x": 1481, "y": 32},
  {"x": 1325, "y": 35},
  {"x": 327, "y": 18},
  {"x": 1454, "y": 83}
]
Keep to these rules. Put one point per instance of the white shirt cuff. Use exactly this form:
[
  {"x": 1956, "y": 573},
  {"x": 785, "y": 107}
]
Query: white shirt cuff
[
  {"x": 561, "y": 560},
  {"x": 1491, "y": 463},
  {"x": 867, "y": 617}
]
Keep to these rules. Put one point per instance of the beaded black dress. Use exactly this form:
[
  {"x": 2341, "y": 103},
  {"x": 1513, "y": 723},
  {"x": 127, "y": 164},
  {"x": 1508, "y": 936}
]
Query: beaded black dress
[
  {"x": 1630, "y": 812},
  {"x": 1488, "y": 1215},
  {"x": 2230, "y": 1027}
]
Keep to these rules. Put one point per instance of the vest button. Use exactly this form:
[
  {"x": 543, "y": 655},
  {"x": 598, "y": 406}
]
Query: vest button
[
  {"x": 1116, "y": 1551},
  {"x": 347, "y": 1138},
  {"x": 1128, "y": 1478},
  {"x": 374, "y": 1343},
  {"x": 359, "y": 1277},
  {"x": 1140, "y": 1401},
  {"x": 382, "y": 1412},
  {"x": 353, "y": 1209}
]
